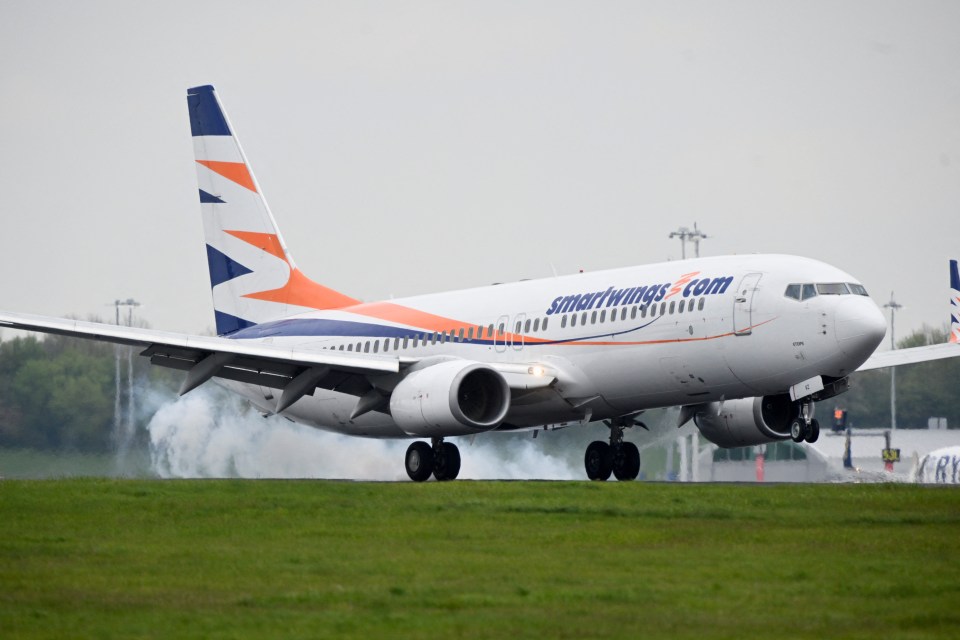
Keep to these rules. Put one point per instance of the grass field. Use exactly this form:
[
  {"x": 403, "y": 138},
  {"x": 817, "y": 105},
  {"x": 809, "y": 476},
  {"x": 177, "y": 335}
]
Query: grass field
[{"x": 229, "y": 559}]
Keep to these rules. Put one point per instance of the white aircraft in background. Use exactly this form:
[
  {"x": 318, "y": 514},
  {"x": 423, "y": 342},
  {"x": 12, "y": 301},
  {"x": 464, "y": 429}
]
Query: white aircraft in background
[{"x": 743, "y": 344}]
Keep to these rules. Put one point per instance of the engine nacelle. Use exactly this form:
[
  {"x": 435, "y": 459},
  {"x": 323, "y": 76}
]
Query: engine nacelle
[
  {"x": 451, "y": 398},
  {"x": 746, "y": 422}
]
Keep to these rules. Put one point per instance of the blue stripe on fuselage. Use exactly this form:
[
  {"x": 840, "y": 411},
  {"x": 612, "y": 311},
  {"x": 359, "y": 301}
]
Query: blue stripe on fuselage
[{"x": 326, "y": 328}]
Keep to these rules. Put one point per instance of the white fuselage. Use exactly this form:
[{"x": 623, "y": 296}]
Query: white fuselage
[{"x": 619, "y": 338}]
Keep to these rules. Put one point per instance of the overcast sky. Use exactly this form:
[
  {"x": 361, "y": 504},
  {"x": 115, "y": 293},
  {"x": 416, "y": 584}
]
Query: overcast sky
[{"x": 409, "y": 147}]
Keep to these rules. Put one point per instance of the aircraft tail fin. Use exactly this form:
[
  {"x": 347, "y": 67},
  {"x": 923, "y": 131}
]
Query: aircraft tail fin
[
  {"x": 954, "y": 302},
  {"x": 252, "y": 274}
]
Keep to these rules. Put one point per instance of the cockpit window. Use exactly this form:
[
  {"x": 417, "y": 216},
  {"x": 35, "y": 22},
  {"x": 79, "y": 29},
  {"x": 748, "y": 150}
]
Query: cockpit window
[
  {"x": 809, "y": 291},
  {"x": 858, "y": 289},
  {"x": 793, "y": 291},
  {"x": 832, "y": 289}
]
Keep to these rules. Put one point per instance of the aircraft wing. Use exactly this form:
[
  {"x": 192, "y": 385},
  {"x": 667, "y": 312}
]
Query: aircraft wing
[
  {"x": 910, "y": 356},
  {"x": 204, "y": 357},
  {"x": 295, "y": 371}
]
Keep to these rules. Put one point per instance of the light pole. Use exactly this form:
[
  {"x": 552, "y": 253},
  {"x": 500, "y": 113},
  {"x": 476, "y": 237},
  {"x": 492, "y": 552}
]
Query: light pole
[
  {"x": 123, "y": 428},
  {"x": 893, "y": 305},
  {"x": 697, "y": 236},
  {"x": 686, "y": 235},
  {"x": 683, "y": 233}
]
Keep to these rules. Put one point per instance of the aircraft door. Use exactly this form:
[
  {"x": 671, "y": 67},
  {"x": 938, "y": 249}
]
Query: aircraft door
[
  {"x": 743, "y": 304},
  {"x": 500, "y": 334},
  {"x": 517, "y": 337}
]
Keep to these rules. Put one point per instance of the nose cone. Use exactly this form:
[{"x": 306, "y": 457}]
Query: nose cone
[{"x": 860, "y": 327}]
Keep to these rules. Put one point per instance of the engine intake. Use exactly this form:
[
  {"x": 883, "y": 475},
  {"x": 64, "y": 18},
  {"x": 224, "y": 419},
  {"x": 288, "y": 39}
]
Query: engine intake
[
  {"x": 746, "y": 422},
  {"x": 451, "y": 398}
]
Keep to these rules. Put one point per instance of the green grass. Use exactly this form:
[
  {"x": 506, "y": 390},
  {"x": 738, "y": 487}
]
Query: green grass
[{"x": 227, "y": 559}]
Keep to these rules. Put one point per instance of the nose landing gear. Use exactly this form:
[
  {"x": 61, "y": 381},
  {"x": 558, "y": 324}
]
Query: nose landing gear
[{"x": 805, "y": 428}]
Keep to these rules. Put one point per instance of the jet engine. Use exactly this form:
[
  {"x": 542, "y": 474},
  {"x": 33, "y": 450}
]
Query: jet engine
[
  {"x": 452, "y": 398},
  {"x": 746, "y": 422}
]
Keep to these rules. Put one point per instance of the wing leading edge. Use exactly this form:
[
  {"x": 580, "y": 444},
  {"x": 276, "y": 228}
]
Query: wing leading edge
[
  {"x": 914, "y": 355},
  {"x": 206, "y": 357}
]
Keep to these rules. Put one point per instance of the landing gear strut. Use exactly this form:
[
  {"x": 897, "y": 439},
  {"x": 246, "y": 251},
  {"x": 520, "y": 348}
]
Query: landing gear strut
[
  {"x": 805, "y": 427},
  {"x": 442, "y": 460},
  {"x": 619, "y": 457}
]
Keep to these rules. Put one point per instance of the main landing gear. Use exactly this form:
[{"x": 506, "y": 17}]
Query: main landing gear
[
  {"x": 619, "y": 457},
  {"x": 442, "y": 460},
  {"x": 805, "y": 427}
]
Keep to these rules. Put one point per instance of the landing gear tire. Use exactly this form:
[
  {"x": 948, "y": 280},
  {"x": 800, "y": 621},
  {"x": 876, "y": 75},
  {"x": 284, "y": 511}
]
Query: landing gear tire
[
  {"x": 797, "y": 430},
  {"x": 447, "y": 462},
  {"x": 419, "y": 461},
  {"x": 598, "y": 460},
  {"x": 813, "y": 431},
  {"x": 626, "y": 461}
]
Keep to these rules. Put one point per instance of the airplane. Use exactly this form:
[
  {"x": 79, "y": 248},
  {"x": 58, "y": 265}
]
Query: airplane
[{"x": 744, "y": 344}]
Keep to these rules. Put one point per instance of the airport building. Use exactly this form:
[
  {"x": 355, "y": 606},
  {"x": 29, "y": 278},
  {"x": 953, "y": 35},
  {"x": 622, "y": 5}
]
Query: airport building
[{"x": 825, "y": 460}]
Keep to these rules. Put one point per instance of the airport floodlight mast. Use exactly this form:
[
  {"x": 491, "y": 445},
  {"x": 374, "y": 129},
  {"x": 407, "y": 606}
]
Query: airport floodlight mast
[
  {"x": 123, "y": 427},
  {"x": 687, "y": 235},
  {"x": 893, "y": 305},
  {"x": 130, "y": 303}
]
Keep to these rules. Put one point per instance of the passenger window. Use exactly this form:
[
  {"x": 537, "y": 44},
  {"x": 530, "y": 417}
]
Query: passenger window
[
  {"x": 563, "y": 322},
  {"x": 623, "y": 314},
  {"x": 526, "y": 326},
  {"x": 490, "y": 331},
  {"x": 603, "y": 316},
  {"x": 663, "y": 308},
  {"x": 583, "y": 319},
  {"x": 593, "y": 318},
  {"x": 460, "y": 335},
  {"x": 573, "y": 320},
  {"x": 349, "y": 347},
  {"x": 366, "y": 347},
  {"x": 502, "y": 327},
  {"x": 700, "y": 306},
  {"x": 376, "y": 346},
  {"x": 808, "y": 291},
  {"x": 341, "y": 347},
  {"x": 536, "y": 325},
  {"x": 405, "y": 342},
  {"x": 545, "y": 323},
  {"x": 682, "y": 304},
  {"x": 470, "y": 333},
  {"x": 672, "y": 303},
  {"x": 793, "y": 291}
]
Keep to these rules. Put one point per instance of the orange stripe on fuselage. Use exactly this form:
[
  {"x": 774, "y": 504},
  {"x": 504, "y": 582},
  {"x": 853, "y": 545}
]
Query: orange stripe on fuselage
[
  {"x": 405, "y": 315},
  {"x": 391, "y": 312},
  {"x": 233, "y": 171},
  {"x": 304, "y": 292}
]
